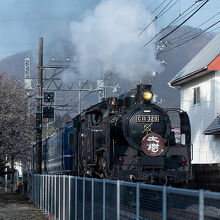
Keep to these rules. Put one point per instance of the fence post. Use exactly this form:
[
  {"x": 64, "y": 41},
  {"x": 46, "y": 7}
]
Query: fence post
[
  {"x": 118, "y": 199},
  {"x": 103, "y": 207},
  {"x": 137, "y": 200},
  {"x": 69, "y": 196},
  {"x": 52, "y": 195},
  {"x": 40, "y": 192},
  {"x": 76, "y": 198},
  {"x": 92, "y": 205},
  {"x": 43, "y": 193},
  {"x": 55, "y": 197},
  {"x": 46, "y": 193},
  {"x": 201, "y": 204},
  {"x": 42, "y": 179},
  {"x": 59, "y": 215},
  {"x": 164, "y": 202},
  {"x": 35, "y": 190},
  {"x": 32, "y": 190},
  {"x": 48, "y": 197},
  {"x": 64, "y": 194},
  {"x": 84, "y": 198}
]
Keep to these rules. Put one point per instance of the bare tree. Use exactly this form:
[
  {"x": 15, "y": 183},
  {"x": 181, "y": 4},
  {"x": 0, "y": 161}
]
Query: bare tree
[{"x": 15, "y": 126}]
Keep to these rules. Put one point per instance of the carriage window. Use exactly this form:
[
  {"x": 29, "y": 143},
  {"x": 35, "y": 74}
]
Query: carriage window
[
  {"x": 71, "y": 139},
  {"x": 196, "y": 96}
]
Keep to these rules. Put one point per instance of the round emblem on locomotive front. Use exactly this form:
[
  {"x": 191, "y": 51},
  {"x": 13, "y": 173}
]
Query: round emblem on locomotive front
[{"x": 152, "y": 144}]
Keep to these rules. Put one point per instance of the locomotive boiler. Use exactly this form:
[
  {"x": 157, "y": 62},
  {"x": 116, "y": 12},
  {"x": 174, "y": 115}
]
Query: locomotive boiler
[{"x": 131, "y": 138}]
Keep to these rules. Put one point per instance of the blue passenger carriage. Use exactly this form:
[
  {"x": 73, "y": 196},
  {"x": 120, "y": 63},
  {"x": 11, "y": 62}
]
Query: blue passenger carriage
[{"x": 59, "y": 148}]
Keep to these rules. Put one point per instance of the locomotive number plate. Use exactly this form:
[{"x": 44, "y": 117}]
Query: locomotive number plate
[{"x": 147, "y": 118}]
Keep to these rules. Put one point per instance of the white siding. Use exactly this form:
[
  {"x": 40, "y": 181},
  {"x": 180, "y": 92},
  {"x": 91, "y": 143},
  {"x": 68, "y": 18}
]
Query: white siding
[
  {"x": 217, "y": 92},
  {"x": 205, "y": 147}
]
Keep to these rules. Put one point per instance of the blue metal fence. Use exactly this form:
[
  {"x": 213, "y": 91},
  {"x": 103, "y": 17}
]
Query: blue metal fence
[{"x": 68, "y": 197}]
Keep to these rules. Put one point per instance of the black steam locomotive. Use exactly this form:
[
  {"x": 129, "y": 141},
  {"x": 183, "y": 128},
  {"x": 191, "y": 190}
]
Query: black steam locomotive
[{"x": 131, "y": 138}]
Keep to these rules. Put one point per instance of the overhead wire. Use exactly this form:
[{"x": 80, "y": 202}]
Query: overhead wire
[
  {"x": 176, "y": 19},
  {"x": 191, "y": 38},
  {"x": 170, "y": 23},
  {"x": 183, "y": 15},
  {"x": 80, "y": 89},
  {"x": 47, "y": 80},
  {"x": 180, "y": 16},
  {"x": 180, "y": 36},
  {"x": 158, "y": 7},
  {"x": 105, "y": 78},
  {"x": 184, "y": 20},
  {"x": 177, "y": 26},
  {"x": 156, "y": 17},
  {"x": 151, "y": 5}
]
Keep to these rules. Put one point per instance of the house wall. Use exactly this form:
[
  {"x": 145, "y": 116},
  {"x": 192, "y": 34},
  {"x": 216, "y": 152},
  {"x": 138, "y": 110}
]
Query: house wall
[
  {"x": 217, "y": 92},
  {"x": 206, "y": 148}
]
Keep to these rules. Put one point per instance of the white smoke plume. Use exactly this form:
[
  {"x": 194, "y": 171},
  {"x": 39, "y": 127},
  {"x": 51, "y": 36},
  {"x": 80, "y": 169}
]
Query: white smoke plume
[{"x": 107, "y": 40}]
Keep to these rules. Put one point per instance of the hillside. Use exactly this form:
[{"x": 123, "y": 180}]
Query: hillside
[{"x": 174, "y": 59}]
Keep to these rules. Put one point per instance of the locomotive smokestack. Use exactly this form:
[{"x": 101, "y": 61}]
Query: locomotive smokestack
[{"x": 141, "y": 88}]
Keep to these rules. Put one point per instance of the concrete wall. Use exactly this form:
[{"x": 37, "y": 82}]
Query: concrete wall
[{"x": 206, "y": 148}]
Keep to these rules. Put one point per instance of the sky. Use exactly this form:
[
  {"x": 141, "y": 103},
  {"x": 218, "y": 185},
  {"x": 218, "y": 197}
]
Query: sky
[{"x": 23, "y": 22}]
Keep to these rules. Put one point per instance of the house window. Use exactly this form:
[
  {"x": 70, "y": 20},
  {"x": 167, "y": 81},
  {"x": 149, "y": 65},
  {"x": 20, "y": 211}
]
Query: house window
[{"x": 196, "y": 96}]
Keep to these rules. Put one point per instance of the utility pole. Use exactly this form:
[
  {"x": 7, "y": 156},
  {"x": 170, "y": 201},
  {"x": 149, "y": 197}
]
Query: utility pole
[{"x": 39, "y": 110}]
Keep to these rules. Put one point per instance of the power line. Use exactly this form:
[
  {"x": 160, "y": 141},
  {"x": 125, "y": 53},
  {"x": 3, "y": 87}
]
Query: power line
[
  {"x": 158, "y": 7},
  {"x": 48, "y": 79},
  {"x": 156, "y": 17},
  {"x": 184, "y": 21},
  {"x": 191, "y": 38},
  {"x": 178, "y": 25},
  {"x": 213, "y": 30},
  {"x": 80, "y": 89},
  {"x": 180, "y": 15},
  {"x": 170, "y": 24},
  {"x": 94, "y": 88},
  {"x": 169, "y": 8},
  {"x": 179, "y": 18},
  {"x": 180, "y": 36},
  {"x": 152, "y": 4}
]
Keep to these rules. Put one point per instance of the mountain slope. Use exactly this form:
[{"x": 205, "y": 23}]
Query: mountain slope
[{"x": 175, "y": 60}]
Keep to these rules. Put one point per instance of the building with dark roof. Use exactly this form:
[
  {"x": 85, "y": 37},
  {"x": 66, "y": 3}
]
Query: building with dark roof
[
  {"x": 199, "y": 83},
  {"x": 214, "y": 127}
]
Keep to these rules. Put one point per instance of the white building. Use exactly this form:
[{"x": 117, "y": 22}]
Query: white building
[{"x": 199, "y": 83}]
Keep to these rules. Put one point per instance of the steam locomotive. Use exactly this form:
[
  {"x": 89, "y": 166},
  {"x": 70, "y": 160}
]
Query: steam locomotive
[{"x": 127, "y": 138}]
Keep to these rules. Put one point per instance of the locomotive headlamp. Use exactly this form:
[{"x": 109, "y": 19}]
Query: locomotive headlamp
[{"x": 147, "y": 95}]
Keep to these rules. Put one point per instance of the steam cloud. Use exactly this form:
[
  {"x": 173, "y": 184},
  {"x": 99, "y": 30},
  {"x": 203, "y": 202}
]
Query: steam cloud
[{"x": 107, "y": 39}]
